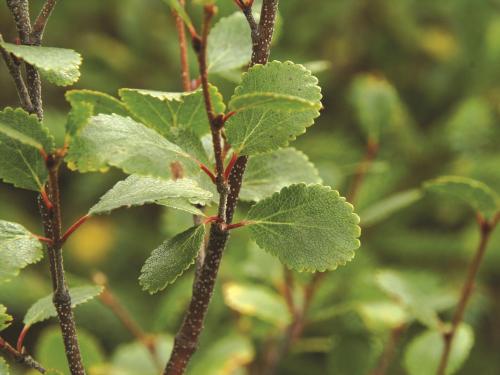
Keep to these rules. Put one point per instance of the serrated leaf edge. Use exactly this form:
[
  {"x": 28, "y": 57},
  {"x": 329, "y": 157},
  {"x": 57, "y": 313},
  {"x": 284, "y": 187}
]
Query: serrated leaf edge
[{"x": 350, "y": 254}]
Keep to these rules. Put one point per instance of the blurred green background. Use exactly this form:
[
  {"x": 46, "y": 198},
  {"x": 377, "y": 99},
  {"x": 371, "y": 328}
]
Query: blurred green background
[{"x": 442, "y": 57}]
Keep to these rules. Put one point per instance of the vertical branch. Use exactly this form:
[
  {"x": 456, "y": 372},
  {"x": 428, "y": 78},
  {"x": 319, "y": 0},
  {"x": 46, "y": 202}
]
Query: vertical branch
[
  {"x": 41, "y": 22},
  {"x": 186, "y": 339},
  {"x": 51, "y": 219},
  {"x": 486, "y": 230},
  {"x": 15, "y": 71},
  {"x": 181, "y": 32},
  {"x": 363, "y": 168},
  {"x": 389, "y": 351}
]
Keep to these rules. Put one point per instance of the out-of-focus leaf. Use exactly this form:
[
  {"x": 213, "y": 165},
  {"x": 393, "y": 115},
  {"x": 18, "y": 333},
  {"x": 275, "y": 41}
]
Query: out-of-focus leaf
[
  {"x": 50, "y": 350},
  {"x": 224, "y": 356},
  {"x": 475, "y": 193},
  {"x": 18, "y": 248},
  {"x": 308, "y": 227},
  {"x": 382, "y": 316},
  {"x": 229, "y": 44},
  {"x": 44, "y": 308},
  {"x": 386, "y": 207},
  {"x": 409, "y": 295},
  {"x": 4, "y": 367},
  {"x": 133, "y": 358},
  {"x": 376, "y": 103},
  {"x": 424, "y": 351},
  {"x": 258, "y": 301}
]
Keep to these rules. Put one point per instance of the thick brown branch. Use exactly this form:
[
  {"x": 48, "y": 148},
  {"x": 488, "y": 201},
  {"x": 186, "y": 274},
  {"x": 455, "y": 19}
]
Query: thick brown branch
[
  {"x": 15, "y": 72},
  {"x": 186, "y": 340},
  {"x": 51, "y": 219},
  {"x": 486, "y": 230},
  {"x": 22, "y": 358}
]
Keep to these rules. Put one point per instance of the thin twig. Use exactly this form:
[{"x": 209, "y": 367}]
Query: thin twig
[
  {"x": 109, "y": 299},
  {"x": 181, "y": 32},
  {"x": 389, "y": 351},
  {"x": 22, "y": 358},
  {"x": 41, "y": 21},
  {"x": 363, "y": 168},
  {"x": 486, "y": 230}
]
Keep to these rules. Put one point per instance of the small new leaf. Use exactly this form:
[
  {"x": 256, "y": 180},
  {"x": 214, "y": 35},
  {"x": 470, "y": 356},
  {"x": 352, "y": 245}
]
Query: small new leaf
[
  {"x": 22, "y": 138},
  {"x": 59, "y": 66},
  {"x": 112, "y": 140},
  {"x": 18, "y": 248},
  {"x": 44, "y": 308},
  {"x": 257, "y": 301},
  {"x": 168, "y": 261},
  {"x": 269, "y": 173},
  {"x": 138, "y": 190},
  {"x": 275, "y": 103},
  {"x": 424, "y": 352},
  {"x": 308, "y": 227},
  {"x": 475, "y": 193},
  {"x": 5, "y": 319}
]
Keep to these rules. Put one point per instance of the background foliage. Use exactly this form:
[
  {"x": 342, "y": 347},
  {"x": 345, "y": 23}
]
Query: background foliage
[{"x": 441, "y": 57}]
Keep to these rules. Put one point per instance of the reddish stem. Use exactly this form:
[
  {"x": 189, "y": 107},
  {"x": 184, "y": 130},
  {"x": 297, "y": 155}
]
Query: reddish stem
[
  {"x": 228, "y": 115},
  {"x": 237, "y": 225},
  {"x": 207, "y": 170},
  {"x": 74, "y": 227},
  {"x": 20, "y": 339},
  {"x": 46, "y": 201},
  {"x": 211, "y": 219},
  {"x": 43, "y": 239},
  {"x": 230, "y": 166}
]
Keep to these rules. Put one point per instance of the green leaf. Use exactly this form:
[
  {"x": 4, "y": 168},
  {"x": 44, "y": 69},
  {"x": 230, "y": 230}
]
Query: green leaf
[
  {"x": 409, "y": 295},
  {"x": 5, "y": 319},
  {"x": 309, "y": 228},
  {"x": 224, "y": 356},
  {"x": 86, "y": 103},
  {"x": 4, "y": 367},
  {"x": 59, "y": 66},
  {"x": 257, "y": 301},
  {"x": 376, "y": 103},
  {"x": 388, "y": 206},
  {"x": 424, "y": 352},
  {"x": 134, "y": 358},
  {"x": 475, "y": 193},
  {"x": 381, "y": 316},
  {"x": 164, "y": 111},
  {"x": 138, "y": 190},
  {"x": 229, "y": 44},
  {"x": 44, "y": 308},
  {"x": 168, "y": 261},
  {"x": 22, "y": 137},
  {"x": 275, "y": 103},
  {"x": 50, "y": 351},
  {"x": 18, "y": 248},
  {"x": 269, "y": 173},
  {"x": 121, "y": 142}
]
